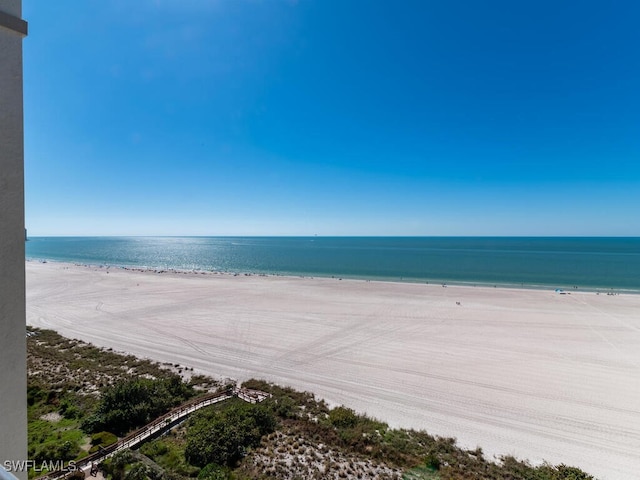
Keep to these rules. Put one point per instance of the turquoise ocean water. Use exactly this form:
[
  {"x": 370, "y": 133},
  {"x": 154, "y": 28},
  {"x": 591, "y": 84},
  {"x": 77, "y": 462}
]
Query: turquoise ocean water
[{"x": 588, "y": 263}]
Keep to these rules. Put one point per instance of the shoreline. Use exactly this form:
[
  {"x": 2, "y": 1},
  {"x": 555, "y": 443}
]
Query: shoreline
[
  {"x": 520, "y": 372},
  {"x": 401, "y": 280}
]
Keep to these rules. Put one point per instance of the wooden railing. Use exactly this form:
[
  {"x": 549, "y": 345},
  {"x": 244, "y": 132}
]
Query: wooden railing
[{"x": 157, "y": 426}]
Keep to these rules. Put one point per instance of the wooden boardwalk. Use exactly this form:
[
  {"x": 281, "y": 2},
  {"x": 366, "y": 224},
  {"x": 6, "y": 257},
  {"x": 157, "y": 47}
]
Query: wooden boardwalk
[{"x": 156, "y": 427}]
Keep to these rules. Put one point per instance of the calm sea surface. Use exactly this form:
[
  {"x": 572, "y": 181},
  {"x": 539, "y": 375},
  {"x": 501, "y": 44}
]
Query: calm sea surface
[{"x": 594, "y": 263}]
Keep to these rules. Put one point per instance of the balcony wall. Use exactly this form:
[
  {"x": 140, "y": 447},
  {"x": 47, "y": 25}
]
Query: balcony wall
[{"x": 13, "y": 404}]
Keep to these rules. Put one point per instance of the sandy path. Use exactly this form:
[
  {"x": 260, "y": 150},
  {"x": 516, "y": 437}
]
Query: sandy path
[{"x": 529, "y": 373}]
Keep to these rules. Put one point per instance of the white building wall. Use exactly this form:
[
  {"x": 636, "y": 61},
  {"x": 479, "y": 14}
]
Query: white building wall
[{"x": 13, "y": 375}]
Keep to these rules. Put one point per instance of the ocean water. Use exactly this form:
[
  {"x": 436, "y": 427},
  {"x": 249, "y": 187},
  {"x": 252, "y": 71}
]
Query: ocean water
[{"x": 587, "y": 263}]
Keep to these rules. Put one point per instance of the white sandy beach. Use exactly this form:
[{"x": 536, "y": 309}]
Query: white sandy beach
[{"x": 524, "y": 372}]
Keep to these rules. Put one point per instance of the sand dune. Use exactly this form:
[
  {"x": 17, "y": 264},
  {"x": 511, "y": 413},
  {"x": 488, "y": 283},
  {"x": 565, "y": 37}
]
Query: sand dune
[{"x": 524, "y": 372}]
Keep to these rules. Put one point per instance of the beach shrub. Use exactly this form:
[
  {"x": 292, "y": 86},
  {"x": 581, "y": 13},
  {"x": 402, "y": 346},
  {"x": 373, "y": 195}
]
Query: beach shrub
[
  {"x": 116, "y": 465},
  {"x": 133, "y": 403},
  {"x": 213, "y": 471},
  {"x": 223, "y": 436},
  {"x": 69, "y": 410},
  {"x": 102, "y": 439},
  {"x": 285, "y": 407},
  {"x": 432, "y": 461},
  {"x": 154, "y": 449},
  {"x": 138, "y": 471},
  {"x": 66, "y": 450},
  {"x": 343, "y": 417},
  {"x": 35, "y": 394},
  {"x": 168, "y": 453},
  {"x": 564, "y": 472}
]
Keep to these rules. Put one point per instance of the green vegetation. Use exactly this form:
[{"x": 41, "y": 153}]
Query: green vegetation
[
  {"x": 102, "y": 439},
  {"x": 418, "y": 454},
  {"x": 168, "y": 453},
  {"x": 53, "y": 431},
  {"x": 343, "y": 418},
  {"x": 421, "y": 473},
  {"x": 214, "y": 472},
  {"x": 60, "y": 364},
  {"x": 127, "y": 466},
  {"x": 132, "y": 403},
  {"x": 224, "y": 435},
  {"x": 290, "y": 435},
  {"x": 72, "y": 384},
  {"x": 60, "y": 440}
]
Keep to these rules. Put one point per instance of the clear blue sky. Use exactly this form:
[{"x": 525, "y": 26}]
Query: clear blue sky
[{"x": 332, "y": 117}]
